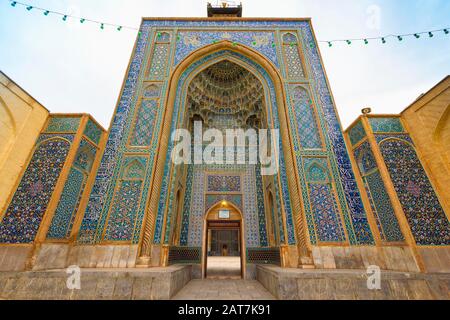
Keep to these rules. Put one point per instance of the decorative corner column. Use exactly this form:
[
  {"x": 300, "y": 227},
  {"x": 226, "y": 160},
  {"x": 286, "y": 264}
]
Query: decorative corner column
[{"x": 397, "y": 206}]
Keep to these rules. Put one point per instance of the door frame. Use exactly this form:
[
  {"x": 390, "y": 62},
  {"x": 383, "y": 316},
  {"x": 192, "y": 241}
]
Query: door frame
[{"x": 236, "y": 218}]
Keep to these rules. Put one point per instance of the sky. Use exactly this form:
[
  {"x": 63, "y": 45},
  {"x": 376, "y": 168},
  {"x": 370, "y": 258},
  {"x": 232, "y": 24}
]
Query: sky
[{"x": 77, "y": 68}]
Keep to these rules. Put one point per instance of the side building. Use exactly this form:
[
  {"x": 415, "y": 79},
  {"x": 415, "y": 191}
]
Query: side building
[
  {"x": 46, "y": 162},
  {"x": 404, "y": 167}
]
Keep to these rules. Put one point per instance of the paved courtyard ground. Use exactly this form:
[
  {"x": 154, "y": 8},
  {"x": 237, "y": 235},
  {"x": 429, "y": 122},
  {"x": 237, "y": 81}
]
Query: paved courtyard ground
[
  {"x": 209, "y": 289},
  {"x": 224, "y": 268},
  {"x": 224, "y": 283}
]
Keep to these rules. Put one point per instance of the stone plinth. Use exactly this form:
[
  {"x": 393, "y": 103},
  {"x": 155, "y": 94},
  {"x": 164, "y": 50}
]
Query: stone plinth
[{"x": 297, "y": 284}]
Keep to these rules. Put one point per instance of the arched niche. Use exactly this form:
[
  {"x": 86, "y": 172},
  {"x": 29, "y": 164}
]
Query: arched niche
[
  {"x": 276, "y": 117},
  {"x": 420, "y": 202},
  {"x": 8, "y": 130}
]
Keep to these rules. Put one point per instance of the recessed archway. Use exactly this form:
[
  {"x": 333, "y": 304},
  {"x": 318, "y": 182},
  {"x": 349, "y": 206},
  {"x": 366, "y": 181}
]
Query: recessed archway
[
  {"x": 223, "y": 249},
  {"x": 160, "y": 205}
]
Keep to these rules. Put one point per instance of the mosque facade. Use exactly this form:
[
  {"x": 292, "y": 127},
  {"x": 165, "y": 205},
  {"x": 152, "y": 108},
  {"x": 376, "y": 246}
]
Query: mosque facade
[{"x": 77, "y": 194}]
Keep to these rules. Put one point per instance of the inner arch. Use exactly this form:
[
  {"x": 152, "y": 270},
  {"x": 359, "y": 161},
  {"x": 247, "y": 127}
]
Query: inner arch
[{"x": 225, "y": 95}]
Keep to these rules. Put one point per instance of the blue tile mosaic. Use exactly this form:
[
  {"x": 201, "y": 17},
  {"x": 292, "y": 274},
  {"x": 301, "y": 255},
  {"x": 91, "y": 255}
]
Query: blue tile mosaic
[
  {"x": 380, "y": 202},
  {"x": 427, "y": 220},
  {"x": 24, "y": 214}
]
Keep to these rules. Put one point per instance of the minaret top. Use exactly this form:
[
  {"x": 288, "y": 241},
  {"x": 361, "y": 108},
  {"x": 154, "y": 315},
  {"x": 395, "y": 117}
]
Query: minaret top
[{"x": 225, "y": 9}]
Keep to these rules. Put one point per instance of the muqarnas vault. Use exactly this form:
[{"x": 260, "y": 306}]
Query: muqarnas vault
[{"x": 339, "y": 200}]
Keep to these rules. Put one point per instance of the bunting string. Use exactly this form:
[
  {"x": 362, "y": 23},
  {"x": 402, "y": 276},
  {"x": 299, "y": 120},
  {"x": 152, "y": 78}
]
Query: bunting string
[{"x": 117, "y": 27}]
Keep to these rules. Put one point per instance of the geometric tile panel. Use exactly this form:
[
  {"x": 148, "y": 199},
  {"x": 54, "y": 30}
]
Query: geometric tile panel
[
  {"x": 285, "y": 198},
  {"x": 100, "y": 199},
  {"x": 356, "y": 221},
  {"x": 289, "y": 38},
  {"x": 365, "y": 158},
  {"x": 192, "y": 40},
  {"x": 255, "y": 235},
  {"x": 387, "y": 222},
  {"x": 326, "y": 213},
  {"x": 152, "y": 91},
  {"x": 168, "y": 187},
  {"x": 24, "y": 214},
  {"x": 65, "y": 213},
  {"x": 122, "y": 218},
  {"x": 357, "y": 133},
  {"x": 197, "y": 208},
  {"x": 159, "y": 61},
  {"x": 134, "y": 170},
  {"x": 306, "y": 120},
  {"x": 221, "y": 183},
  {"x": 380, "y": 202},
  {"x": 191, "y": 36},
  {"x": 261, "y": 222},
  {"x": 327, "y": 221},
  {"x": 213, "y": 199},
  {"x": 198, "y": 201},
  {"x": 317, "y": 173},
  {"x": 293, "y": 61},
  {"x": 393, "y": 125},
  {"x": 63, "y": 124},
  {"x": 426, "y": 218},
  {"x": 121, "y": 222},
  {"x": 93, "y": 131},
  {"x": 163, "y": 37},
  {"x": 292, "y": 56},
  {"x": 144, "y": 123},
  {"x": 184, "y": 229},
  {"x": 85, "y": 156}
]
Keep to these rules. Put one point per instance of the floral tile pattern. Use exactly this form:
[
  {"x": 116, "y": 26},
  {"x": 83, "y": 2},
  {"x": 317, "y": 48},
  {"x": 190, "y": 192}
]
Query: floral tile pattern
[
  {"x": 429, "y": 224},
  {"x": 393, "y": 125},
  {"x": 260, "y": 36},
  {"x": 380, "y": 202},
  {"x": 93, "y": 131},
  {"x": 64, "y": 217},
  {"x": 27, "y": 208}
]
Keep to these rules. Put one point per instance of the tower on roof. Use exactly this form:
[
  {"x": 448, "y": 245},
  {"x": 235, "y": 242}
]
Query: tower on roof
[{"x": 225, "y": 9}]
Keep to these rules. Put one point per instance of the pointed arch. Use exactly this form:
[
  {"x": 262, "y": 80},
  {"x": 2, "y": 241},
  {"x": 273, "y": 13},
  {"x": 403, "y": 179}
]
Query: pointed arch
[
  {"x": 273, "y": 218},
  {"x": 85, "y": 156},
  {"x": 163, "y": 37},
  {"x": 442, "y": 126},
  {"x": 9, "y": 126},
  {"x": 317, "y": 173},
  {"x": 289, "y": 182},
  {"x": 34, "y": 191},
  {"x": 152, "y": 90},
  {"x": 366, "y": 161},
  {"x": 289, "y": 38},
  {"x": 423, "y": 210},
  {"x": 10, "y": 116},
  {"x": 295, "y": 66},
  {"x": 229, "y": 205},
  {"x": 134, "y": 170}
]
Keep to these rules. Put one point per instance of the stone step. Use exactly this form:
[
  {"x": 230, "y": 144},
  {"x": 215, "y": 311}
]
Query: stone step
[
  {"x": 301, "y": 284},
  {"x": 115, "y": 284}
]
